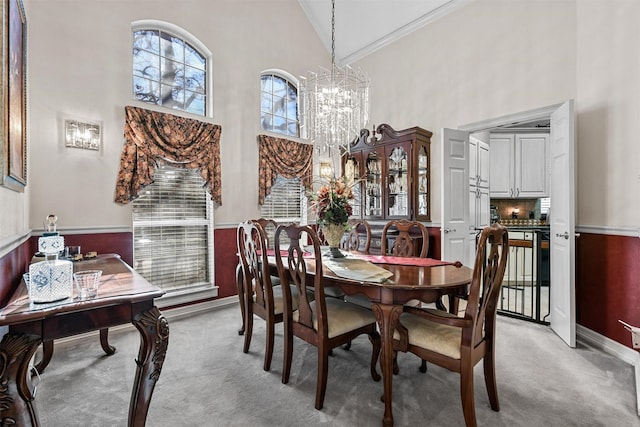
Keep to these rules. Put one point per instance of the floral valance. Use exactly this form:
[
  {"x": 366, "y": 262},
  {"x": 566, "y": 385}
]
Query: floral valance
[
  {"x": 280, "y": 156},
  {"x": 152, "y": 138}
]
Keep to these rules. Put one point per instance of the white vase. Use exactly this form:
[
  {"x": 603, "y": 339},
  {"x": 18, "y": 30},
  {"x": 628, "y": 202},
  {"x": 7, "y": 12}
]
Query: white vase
[{"x": 333, "y": 234}]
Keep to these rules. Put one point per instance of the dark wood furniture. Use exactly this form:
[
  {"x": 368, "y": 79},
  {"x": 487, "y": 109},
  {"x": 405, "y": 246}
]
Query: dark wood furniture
[
  {"x": 409, "y": 282},
  {"x": 258, "y": 293},
  {"x": 402, "y": 243},
  {"x": 359, "y": 236},
  {"x": 123, "y": 297},
  {"x": 459, "y": 343},
  {"x": 325, "y": 323},
  {"x": 269, "y": 226},
  {"x": 394, "y": 172}
]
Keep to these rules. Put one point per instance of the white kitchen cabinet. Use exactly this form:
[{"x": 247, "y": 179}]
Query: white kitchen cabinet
[
  {"x": 479, "y": 198},
  {"x": 519, "y": 166},
  {"x": 478, "y": 183},
  {"x": 479, "y": 160}
]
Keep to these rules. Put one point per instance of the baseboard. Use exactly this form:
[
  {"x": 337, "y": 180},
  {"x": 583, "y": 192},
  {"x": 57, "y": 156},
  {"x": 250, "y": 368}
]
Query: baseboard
[
  {"x": 593, "y": 339},
  {"x": 170, "y": 314}
]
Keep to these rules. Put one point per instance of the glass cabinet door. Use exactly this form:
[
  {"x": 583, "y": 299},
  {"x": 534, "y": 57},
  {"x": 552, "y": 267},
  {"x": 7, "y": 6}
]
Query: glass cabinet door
[
  {"x": 373, "y": 186},
  {"x": 352, "y": 175},
  {"x": 423, "y": 182},
  {"x": 398, "y": 183}
]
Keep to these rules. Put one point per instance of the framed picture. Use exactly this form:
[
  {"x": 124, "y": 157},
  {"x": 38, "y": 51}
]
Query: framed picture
[{"x": 14, "y": 97}]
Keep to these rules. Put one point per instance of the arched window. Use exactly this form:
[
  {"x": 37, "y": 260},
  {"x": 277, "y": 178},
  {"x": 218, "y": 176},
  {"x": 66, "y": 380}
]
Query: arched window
[
  {"x": 279, "y": 103},
  {"x": 171, "y": 68}
]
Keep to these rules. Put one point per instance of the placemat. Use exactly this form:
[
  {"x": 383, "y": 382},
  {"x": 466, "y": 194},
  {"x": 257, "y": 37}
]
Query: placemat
[{"x": 356, "y": 269}]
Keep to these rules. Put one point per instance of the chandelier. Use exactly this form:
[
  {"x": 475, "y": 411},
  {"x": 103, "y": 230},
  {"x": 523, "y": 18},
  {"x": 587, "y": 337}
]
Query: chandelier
[{"x": 336, "y": 103}]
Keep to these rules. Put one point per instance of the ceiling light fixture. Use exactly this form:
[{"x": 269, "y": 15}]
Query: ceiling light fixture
[{"x": 336, "y": 103}]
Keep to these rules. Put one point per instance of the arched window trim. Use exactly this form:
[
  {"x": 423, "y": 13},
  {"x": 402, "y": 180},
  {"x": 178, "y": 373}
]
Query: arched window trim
[
  {"x": 153, "y": 24},
  {"x": 293, "y": 80}
]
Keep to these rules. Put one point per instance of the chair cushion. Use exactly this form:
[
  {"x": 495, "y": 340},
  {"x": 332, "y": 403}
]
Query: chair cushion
[
  {"x": 443, "y": 339},
  {"x": 278, "y": 300},
  {"x": 342, "y": 317}
]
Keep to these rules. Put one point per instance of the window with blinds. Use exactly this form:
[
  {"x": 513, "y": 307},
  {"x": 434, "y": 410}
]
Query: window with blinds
[
  {"x": 286, "y": 203},
  {"x": 173, "y": 231}
]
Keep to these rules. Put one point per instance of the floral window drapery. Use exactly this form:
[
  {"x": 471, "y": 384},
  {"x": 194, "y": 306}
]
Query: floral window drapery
[
  {"x": 152, "y": 137},
  {"x": 280, "y": 156}
]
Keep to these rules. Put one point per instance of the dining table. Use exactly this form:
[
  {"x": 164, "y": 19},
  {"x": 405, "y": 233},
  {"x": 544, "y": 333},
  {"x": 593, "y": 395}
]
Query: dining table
[{"x": 390, "y": 282}]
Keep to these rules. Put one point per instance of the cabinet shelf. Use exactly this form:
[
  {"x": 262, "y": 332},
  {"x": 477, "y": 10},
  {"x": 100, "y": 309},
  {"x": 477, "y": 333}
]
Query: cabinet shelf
[{"x": 399, "y": 159}]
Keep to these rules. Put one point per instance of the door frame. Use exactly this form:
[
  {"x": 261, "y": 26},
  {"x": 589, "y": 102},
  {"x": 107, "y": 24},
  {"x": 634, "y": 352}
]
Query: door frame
[{"x": 525, "y": 116}]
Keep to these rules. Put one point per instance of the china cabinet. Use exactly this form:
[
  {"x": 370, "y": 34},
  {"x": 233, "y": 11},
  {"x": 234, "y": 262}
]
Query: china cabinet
[{"x": 392, "y": 169}]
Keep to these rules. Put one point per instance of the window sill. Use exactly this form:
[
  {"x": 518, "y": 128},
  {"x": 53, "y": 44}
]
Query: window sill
[{"x": 186, "y": 296}]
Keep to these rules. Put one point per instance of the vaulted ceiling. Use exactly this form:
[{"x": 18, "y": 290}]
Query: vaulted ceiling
[{"x": 363, "y": 26}]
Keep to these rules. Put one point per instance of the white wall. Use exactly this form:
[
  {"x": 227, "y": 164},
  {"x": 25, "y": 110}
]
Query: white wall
[{"x": 80, "y": 67}]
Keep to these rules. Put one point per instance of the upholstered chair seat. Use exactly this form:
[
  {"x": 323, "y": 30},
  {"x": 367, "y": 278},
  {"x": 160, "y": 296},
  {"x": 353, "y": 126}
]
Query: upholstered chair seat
[{"x": 341, "y": 317}]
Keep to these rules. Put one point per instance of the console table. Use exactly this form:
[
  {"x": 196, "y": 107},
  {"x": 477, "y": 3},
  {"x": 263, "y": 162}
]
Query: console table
[{"x": 123, "y": 297}]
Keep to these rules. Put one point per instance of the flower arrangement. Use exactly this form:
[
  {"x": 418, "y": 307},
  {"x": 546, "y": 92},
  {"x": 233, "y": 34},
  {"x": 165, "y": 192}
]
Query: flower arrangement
[{"x": 331, "y": 202}]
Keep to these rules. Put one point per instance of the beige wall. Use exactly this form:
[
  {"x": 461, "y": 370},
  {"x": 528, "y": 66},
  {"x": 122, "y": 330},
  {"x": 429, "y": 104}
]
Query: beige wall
[
  {"x": 608, "y": 101},
  {"x": 487, "y": 59},
  {"x": 498, "y": 57},
  {"x": 80, "y": 67}
]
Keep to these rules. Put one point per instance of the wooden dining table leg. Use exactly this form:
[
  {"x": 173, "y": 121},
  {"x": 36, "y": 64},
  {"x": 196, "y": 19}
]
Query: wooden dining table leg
[
  {"x": 104, "y": 342},
  {"x": 387, "y": 316},
  {"x": 47, "y": 353}
]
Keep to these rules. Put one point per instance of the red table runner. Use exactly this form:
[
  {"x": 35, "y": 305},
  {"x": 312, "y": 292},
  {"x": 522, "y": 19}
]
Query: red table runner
[{"x": 420, "y": 262}]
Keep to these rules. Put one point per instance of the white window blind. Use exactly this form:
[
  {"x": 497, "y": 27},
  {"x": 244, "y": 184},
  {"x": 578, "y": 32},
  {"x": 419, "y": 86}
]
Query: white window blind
[
  {"x": 286, "y": 203},
  {"x": 173, "y": 230}
]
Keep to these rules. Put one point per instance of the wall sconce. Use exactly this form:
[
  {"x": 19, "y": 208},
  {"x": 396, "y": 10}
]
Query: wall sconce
[
  {"x": 326, "y": 170},
  {"x": 82, "y": 135}
]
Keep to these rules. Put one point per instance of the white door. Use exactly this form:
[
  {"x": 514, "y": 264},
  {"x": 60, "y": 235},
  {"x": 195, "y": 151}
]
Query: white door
[
  {"x": 562, "y": 215},
  {"x": 455, "y": 199}
]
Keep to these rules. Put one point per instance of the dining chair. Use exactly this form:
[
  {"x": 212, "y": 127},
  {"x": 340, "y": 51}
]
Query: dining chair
[
  {"x": 459, "y": 343},
  {"x": 330, "y": 291},
  {"x": 325, "y": 323},
  {"x": 269, "y": 226},
  {"x": 261, "y": 297},
  {"x": 404, "y": 244},
  {"x": 359, "y": 237},
  {"x": 358, "y": 240}
]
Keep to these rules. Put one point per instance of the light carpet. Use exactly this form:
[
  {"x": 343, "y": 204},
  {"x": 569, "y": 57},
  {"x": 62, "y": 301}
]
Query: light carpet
[{"x": 207, "y": 381}]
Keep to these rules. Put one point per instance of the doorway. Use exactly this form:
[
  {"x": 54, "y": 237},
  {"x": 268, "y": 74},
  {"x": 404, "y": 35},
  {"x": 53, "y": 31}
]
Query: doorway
[{"x": 562, "y": 194}]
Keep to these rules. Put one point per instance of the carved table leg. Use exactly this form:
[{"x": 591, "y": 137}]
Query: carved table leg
[
  {"x": 47, "y": 353},
  {"x": 104, "y": 342},
  {"x": 154, "y": 339},
  {"x": 240, "y": 287},
  {"x": 387, "y": 317},
  {"x": 16, "y": 398}
]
